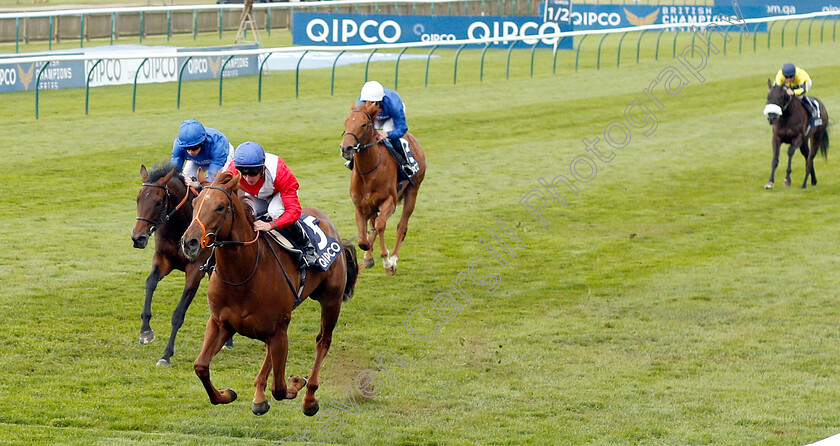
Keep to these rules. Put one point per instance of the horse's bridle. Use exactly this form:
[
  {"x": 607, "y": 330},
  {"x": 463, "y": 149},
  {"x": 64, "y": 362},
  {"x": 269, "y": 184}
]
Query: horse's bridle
[
  {"x": 359, "y": 146},
  {"x": 164, "y": 214},
  {"x": 205, "y": 236}
]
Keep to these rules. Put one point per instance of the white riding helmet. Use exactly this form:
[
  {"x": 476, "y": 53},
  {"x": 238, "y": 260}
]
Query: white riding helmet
[{"x": 372, "y": 91}]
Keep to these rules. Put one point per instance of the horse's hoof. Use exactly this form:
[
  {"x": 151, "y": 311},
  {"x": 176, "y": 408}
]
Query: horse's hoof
[
  {"x": 233, "y": 395},
  {"x": 228, "y": 344},
  {"x": 787, "y": 183},
  {"x": 769, "y": 185},
  {"x": 391, "y": 271},
  {"x": 369, "y": 263},
  {"x": 260, "y": 408},
  {"x": 163, "y": 363},
  {"x": 312, "y": 410},
  {"x": 146, "y": 337}
]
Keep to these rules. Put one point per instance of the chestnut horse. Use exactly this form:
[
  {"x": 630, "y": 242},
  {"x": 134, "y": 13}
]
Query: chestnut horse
[
  {"x": 790, "y": 122},
  {"x": 255, "y": 288},
  {"x": 373, "y": 183},
  {"x": 164, "y": 208}
]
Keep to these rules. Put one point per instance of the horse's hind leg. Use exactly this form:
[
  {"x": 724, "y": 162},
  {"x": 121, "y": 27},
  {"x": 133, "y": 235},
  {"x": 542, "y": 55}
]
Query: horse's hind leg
[
  {"x": 809, "y": 163},
  {"x": 330, "y": 309},
  {"x": 402, "y": 228},
  {"x": 215, "y": 336},
  {"x": 260, "y": 404},
  {"x": 161, "y": 266},
  {"x": 194, "y": 276},
  {"x": 369, "y": 262}
]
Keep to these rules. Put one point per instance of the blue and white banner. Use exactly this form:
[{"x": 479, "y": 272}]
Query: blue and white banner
[
  {"x": 208, "y": 67},
  {"x": 589, "y": 16},
  {"x": 22, "y": 76},
  {"x": 763, "y": 8},
  {"x": 312, "y": 28}
]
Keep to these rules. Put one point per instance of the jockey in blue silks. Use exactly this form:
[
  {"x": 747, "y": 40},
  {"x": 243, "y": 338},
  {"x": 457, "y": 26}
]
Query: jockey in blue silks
[
  {"x": 390, "y": 122},
  {"x": 198, "y": 147}
]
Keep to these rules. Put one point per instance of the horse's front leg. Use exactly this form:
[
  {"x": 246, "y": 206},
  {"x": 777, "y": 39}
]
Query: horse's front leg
[
  {"x": 791, "y": 150},
  {"x": 279, "y": 347},
  {"x": 161, "y": 266},
  {"x": 402, "y": 228},
  {"x": 260, "y": 404},
  {"x": 774, "y": 164},
  {"x": 330, "y": 309},
  {"x": 386, "y": 209},
  {"x": 194, "y": 276},
  {"x": 215, "y": 335},
  {"x": 365, "y": 244}
]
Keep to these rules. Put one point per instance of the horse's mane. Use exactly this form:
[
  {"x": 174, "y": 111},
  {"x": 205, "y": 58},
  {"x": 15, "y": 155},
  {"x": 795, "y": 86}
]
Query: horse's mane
[
  {"x": 371, "y": 108},
  {"x": 161, "y": 169}
]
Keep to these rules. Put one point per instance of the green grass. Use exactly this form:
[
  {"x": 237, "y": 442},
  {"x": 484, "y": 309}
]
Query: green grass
[{"x": 673, "y": 301}]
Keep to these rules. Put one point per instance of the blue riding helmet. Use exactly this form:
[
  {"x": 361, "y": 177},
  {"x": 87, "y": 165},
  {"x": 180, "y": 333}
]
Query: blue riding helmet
[
  {"x": 789, "y": 70},
  {"x": 249, "y": 154},
  {"x": 191, "y": 133}
]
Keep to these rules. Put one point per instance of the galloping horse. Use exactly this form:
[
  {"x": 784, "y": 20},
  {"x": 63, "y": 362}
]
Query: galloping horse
[
  {"x": 255, "y": 288},
  {"x": 165, "y": 209},
  {"x": 373, "y": 184},
  {"x": 790, "y": 122}
]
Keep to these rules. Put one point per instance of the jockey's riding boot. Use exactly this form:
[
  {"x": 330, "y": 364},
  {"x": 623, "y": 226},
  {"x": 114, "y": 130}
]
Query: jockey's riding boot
[
  {"x": 310, "y": 256},
  {"x": 813, "y": 111},
  {"x": 400, "y": 155}
]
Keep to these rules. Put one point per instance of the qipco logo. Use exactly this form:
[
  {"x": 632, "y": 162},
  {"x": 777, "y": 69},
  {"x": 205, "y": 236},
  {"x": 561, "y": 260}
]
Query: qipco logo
[
  {"x": 481, "y": 30},
  {"x": 370, "y": 31},
  {"x": 8, "y": 76}
]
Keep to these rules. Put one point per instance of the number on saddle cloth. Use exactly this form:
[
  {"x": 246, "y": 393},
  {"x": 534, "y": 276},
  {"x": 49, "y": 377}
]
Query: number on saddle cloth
[{"x": 327, "y": 248}]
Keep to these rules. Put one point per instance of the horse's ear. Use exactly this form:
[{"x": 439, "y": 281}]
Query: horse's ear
[
  {"x": 143, "y": 174},
  {"x": 769, "y": 83},
  {"x": 234, "y": 184},
  {"x": 168, "y": 176},
  {"x": 202, "y": 180}
]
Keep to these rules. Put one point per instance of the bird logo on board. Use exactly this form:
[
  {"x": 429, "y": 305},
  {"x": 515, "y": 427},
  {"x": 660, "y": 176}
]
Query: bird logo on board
[
  {"x": 26, "y": 76},
  {"x": 641, "y": 21},
  {"x": 215, "y": 63}
]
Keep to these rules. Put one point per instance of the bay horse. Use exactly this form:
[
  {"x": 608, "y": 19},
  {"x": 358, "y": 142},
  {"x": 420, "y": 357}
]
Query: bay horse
[
  {"x": 164, "y": 208},
  {"x": 373, "y": 183},
  {"x": 791, "y": 125},
  {"x": 255, "y": 288}
]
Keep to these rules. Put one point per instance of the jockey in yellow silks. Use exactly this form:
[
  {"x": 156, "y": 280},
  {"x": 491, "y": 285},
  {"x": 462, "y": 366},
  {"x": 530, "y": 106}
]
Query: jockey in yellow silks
[{"x": 799, "y": 82}]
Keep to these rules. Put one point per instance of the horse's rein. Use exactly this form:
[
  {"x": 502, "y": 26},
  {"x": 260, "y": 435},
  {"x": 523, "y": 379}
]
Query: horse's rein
[{"x": 205, "y": 236}]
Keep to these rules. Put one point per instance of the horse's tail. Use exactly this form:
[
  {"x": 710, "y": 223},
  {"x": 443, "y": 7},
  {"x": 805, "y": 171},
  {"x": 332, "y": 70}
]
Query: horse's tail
[
  {"x": 822, "y": 141},
  {"x": 352, "y": 269}
]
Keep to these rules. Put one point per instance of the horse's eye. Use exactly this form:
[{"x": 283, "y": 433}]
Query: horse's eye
[
  {"x": 220, "y": 208},
  {"x": 158, "y": 203}
]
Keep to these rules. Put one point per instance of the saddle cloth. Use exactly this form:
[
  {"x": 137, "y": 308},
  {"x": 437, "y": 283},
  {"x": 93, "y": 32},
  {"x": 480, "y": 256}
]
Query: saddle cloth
[{"x": 327, "y": 248}]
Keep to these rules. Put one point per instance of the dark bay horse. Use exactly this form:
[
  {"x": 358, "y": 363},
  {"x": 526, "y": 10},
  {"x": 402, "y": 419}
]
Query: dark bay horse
[
  {"x": 254, "y": 290},
  {"x": 164, "y": 207},
  {"x": 373, "y": 183},
  {"x": 790, "y": 121}
]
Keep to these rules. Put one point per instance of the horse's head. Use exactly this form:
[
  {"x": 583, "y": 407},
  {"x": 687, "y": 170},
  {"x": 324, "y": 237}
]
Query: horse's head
[
  {"x": 152, "y": 203},
  {"x": 213, "y": 214},
  {"x": 359, "y": 132},
  {"x": 778, "y": 100}
]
